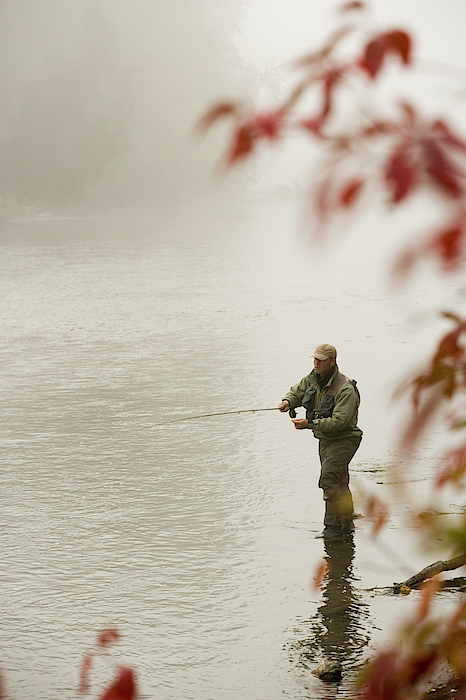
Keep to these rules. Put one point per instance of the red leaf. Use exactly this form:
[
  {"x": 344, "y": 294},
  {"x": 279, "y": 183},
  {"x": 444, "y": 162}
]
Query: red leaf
[
  {"x": 425, "y": 606},
  {"x": 223, "y": 109},
  {"x": 377, "y": 511},
  {"x": 447, "y": 136},
  {"x": 322, "y": 55},
  {"x": 400, "y": 174},
  {"x": 350, "y": 192},
  {"x": 441, "y": 169},
  {"x": 330, "y": 79},
  {"x": 349, "y": 6},
  {"x": 448, "y": 244},
  {"x": 246, "y": 134},
  {"x": 400, "y": 43},
  {"x": 313, "y": 125},
  {"x": 455, "y": 469},
  {"x": 377, "y": 128},
  {"x": 242, "y": 144},
  {"x": 84, "y": 674},
  {"x": 124, "y": 687},
  {"x": 395, "y": 42},
  {"x": 438, "y": 384},
  {"x": 381, "y": 681},
  {"x": 410, "y": 114},
  {"x": 420, "y": 420},
  {"x": 269, "y": 124},
  {"x": 449, "y": 347},
  {"x": 107, "y": 637},
  {"x": 440, "y": 376},
  {"x": 373, "y": 56}
]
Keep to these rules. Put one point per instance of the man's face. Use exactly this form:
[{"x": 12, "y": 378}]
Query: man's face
[{"x": 323, "y": 366}]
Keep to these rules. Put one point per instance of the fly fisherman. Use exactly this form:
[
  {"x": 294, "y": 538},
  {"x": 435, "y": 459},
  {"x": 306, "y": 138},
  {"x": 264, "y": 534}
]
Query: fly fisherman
[{"x": 331, "y": 401}]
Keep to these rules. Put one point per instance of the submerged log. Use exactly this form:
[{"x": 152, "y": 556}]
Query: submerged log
[{"x": 430, "y": 572}]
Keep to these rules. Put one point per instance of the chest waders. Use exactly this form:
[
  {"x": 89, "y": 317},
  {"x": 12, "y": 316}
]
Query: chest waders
[{"x": 335, "y": 456}]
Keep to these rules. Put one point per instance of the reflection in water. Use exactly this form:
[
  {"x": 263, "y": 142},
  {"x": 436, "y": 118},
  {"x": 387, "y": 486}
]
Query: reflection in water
[{"x": 338, "y": 631}]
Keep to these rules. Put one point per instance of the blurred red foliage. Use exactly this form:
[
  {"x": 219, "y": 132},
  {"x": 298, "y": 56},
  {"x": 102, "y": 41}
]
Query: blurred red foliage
[
  {"x": 124, "y": 686},
  {"x": 426, "y": 644},
  {"x": 376, "y": 51},
  {"x": 403, "y": 155},
  {"x": 107, "y": 637}
]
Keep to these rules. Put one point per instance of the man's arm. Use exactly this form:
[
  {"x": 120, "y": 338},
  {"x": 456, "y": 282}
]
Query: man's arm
[{"x": 294, "y": 397}]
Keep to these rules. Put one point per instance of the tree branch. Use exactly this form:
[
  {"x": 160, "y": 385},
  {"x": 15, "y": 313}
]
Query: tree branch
[{"x": 430, "y": 572}]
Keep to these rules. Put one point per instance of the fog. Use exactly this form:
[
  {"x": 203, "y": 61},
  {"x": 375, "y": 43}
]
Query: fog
[{"x": 101, "y": 98}]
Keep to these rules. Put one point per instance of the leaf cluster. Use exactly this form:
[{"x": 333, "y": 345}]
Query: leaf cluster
[
  {"x": 426, "y": 646},
  {"x": 124, "y": 686},
  {"x": 403, "y": 155}
]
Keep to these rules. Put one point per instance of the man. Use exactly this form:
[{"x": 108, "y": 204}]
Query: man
[{"x": 331, "y": 401}]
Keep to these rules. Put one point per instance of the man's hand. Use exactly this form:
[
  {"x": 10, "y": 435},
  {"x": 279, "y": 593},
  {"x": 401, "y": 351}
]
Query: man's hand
[
  {"x": 284, "y": 406},
  {"x": 300, "y": 423}
]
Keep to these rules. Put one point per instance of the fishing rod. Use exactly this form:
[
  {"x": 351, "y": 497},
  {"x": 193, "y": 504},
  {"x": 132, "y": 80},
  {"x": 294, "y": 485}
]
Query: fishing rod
[{"x": 139, "y": 430}]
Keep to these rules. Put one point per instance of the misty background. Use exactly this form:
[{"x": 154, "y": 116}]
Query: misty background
[{"x": 101, "y": 99}]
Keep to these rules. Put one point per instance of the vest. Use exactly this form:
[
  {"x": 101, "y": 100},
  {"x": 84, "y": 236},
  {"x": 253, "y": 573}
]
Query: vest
[{"x": 327, "y": 404}]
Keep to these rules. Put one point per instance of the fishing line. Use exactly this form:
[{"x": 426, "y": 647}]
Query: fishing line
[
  {"x": 133, "y": 432},
  {"x": 389, "y": 553}
]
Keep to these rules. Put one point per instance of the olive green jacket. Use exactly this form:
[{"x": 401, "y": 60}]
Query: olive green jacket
[{"x": 342, "y": 423}]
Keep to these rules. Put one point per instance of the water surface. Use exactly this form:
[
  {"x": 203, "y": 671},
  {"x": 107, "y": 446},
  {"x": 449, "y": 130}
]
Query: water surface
[{"x": 195, "y": 538}]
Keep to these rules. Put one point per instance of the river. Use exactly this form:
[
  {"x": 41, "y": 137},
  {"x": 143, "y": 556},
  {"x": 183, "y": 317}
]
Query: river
[{"x": 195, "y": 538}]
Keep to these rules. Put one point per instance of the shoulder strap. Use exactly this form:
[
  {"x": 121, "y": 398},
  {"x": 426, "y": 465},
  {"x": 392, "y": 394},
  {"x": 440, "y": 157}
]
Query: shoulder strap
[
  {"x": 338, "y": 383},
  {"x": 354, "y": 382}
]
